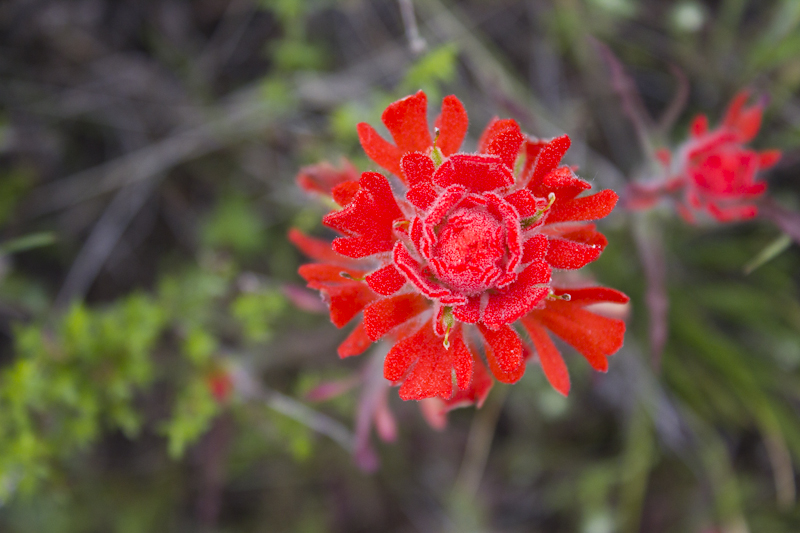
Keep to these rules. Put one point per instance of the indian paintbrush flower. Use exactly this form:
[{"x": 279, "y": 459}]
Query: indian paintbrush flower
[
  {"x": 450, "y": 264},
  {"x": 713, "y": 171}
]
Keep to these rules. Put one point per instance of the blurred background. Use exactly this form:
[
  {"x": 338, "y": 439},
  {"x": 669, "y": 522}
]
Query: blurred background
[{"x": 157, "y": 348}]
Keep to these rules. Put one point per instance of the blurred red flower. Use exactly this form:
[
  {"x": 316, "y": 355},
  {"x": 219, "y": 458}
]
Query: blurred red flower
[
  {"x": 220, "y": 384},
  {"x": 714, "y": 171},
  {"x": 468, "y": 247}
]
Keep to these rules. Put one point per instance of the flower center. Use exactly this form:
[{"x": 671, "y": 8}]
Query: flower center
[
  {"x": 470, "y": 250},
  {"x": 725, "y": 172}
]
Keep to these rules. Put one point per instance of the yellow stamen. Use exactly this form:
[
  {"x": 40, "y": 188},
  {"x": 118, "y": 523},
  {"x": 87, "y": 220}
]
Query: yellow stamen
[
  {"x": 449, "y": 321},
  {"x": 530, "y": 221},
  {"x": 563, "y": 297},
  {"x": 436, "y": 154}
]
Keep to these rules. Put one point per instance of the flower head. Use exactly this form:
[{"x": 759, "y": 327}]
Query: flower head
[
  {"x": 446, "y": 266},
  {"x": 714, "y": 171}
]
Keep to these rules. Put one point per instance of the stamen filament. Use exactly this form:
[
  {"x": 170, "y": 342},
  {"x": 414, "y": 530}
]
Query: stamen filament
[
  {"x": 530, "y": 221},
  {"x": 449, "y": 321},
  {"x": 563, "y": 297},
  {"x": 436, "y": 154},
  {"x": 345, "y": 275}
]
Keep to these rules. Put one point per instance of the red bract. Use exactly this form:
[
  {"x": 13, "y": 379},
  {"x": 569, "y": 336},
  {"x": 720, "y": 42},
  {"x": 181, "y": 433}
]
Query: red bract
[
  {"x": 220, "y": 384},
  {"x": 445, "y": 268},
  {"x": 714, "y": 171}
]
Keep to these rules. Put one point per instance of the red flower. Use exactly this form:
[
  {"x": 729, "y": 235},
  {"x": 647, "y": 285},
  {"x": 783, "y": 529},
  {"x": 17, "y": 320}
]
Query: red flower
[
  {"x": 714, "y": 169},
  {"x": 445, "y": 268},
  {"x": 220, "y": 384}
]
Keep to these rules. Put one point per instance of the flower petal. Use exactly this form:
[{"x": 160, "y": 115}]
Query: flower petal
[
  {"x": 525, "y": 202},
  {"x": 506, "y": 306},
  {"x": 322, "y": 275},
  {"x": 553, "y": 366},
  {"x": 388, "y": 313},
  {"x": 443, "y": 205},
  {"x": 592, "y": 295},
  {"x": 548, "y": 159},
  {"x": 318, "y": 249},
  {"x": 502, "y": 138},
  {"x": 595, "y": 337},
  {"x": 323, "y": 177},
  {"x": 768, "y": 159},
  {"x": 422, "y": 196},
  {"x": 378, "y": 149},
  {"x": 578, "y": 232},
  {"x": 426, "y": 367},
  {"x": 386, "y": 281},
  {"x": 535, "y": 249},
  {"x": 748, "y": 123},
  {"x": 462, "y": 359},
  {"x": 562, "y": 182},
  {"x": 699, "y": 127},
  {"x": 503, "y": 353},
  {"x": 344, "y": 192},
  {"x": 356, "y": 343},
  {"x": 570, "y": 255},
  {"x": 731, "y": 213},
  {"x": 452, "y": 124},
  {"x": 367, "y": 220},
  {"x": 346, "y": 298},
  {"x": 514, "y": 246},
  {"x": 469, "y": 312},
  {"x": 583, "y": 208},
  {"x": 477, "y": 391},
  {"x": 407, "y": 121},
  {"x": 479, "y": 173},
  {"x": 734, "y": 110},
  {"x": 418, "y": 168},
  {"x": 422, "y": 278},
  {"x": 531, "y": 149}
]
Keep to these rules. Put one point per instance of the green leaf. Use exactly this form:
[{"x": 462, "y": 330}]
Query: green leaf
[
  {"x": 199, "y": 345},
  {"x": 28, "y": 242},
  {"x": 296, "y": 54},
  {"x": 771, "y": 251},
  {"x": 194, "y": 410},
  {"x": 433, "y": 69},
  {"x": 234, "y": 224},
  {"x": 256, "y": 311}
]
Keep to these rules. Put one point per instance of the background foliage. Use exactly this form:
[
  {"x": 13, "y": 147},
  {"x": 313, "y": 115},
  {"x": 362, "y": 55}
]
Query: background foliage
[{"x": 148, "y": 152}]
